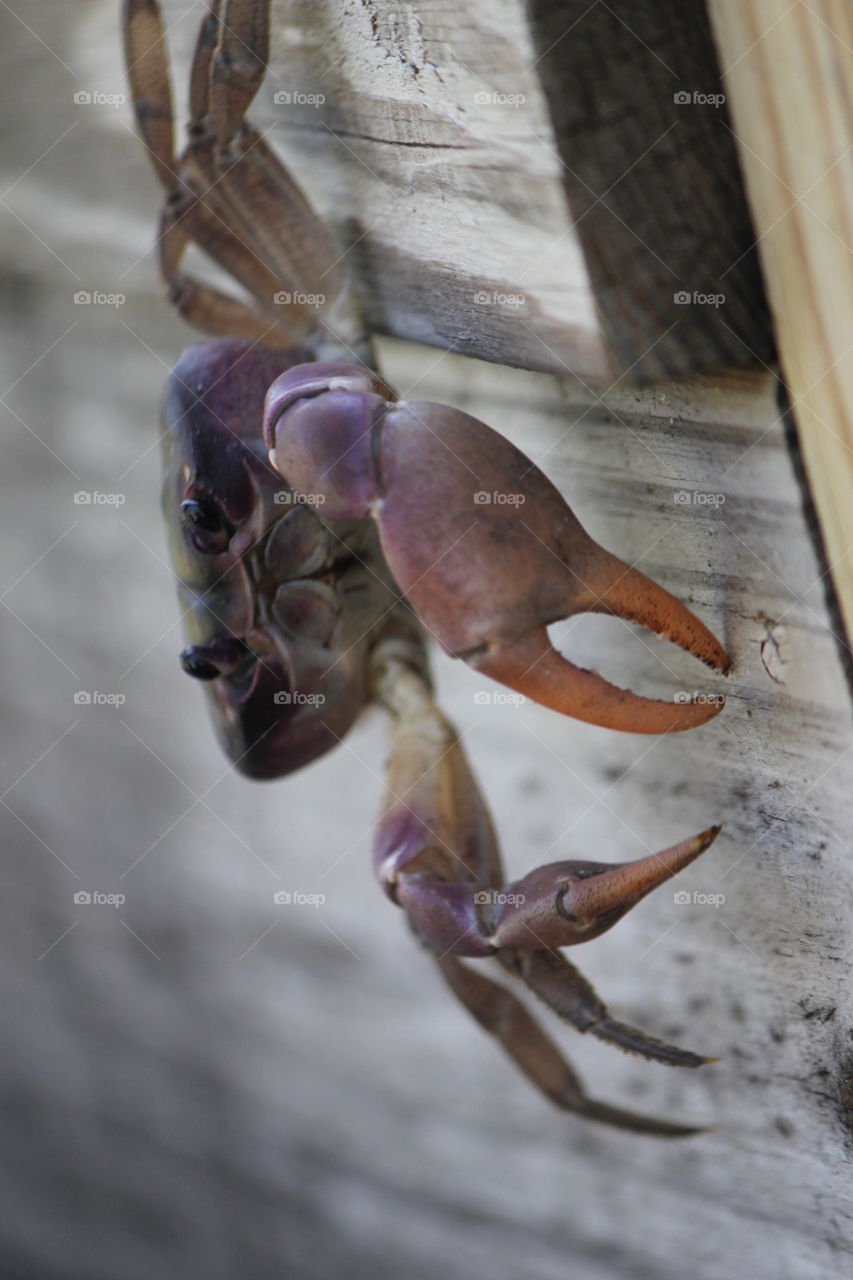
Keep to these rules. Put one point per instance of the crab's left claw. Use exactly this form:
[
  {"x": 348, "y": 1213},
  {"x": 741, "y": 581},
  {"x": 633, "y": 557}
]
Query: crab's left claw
[{"x": 479, "y": 541}]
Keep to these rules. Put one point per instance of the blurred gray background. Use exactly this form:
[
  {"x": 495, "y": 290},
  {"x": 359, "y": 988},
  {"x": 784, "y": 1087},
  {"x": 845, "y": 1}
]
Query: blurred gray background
[{"x": 197, "y": 1083}]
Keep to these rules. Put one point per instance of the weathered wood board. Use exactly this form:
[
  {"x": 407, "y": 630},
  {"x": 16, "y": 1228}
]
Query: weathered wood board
[
  {"x": 427, "y": 145},
  {"x": 195, "y": 1084},
  {"x": 482, "y": 213},
  {"x": 650, "y": 168},
  {"x": 789, "y": 74}
]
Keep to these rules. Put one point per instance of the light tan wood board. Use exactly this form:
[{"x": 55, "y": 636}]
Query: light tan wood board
[{"x": 788, "y": 73}]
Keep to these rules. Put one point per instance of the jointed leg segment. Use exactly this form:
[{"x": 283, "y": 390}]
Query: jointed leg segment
[
  {"x": 500, "y": 1012},
  {"x": 436, "y": 856},
  {"x": 228, "y": 192}
]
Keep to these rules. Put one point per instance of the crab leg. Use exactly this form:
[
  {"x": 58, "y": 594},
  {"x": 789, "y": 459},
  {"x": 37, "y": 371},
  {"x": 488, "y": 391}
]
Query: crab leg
[
  {"x": 229, "y": 193},
  {"x": 480, "y": 543},
  {"x": 150, "y": 86},
  {"x": 184, "y": 218},
  {"x": 436, "y": 856},
  {"x": 240, "y": 64},
  {"x": 560, "y": 986},
  {"x": 435, "y": 843},
  {"x": 501, "y": 1013}
]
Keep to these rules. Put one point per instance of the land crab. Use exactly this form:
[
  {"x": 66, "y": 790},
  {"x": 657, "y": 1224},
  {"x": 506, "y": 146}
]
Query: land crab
[{"x": 321, "y": 529}]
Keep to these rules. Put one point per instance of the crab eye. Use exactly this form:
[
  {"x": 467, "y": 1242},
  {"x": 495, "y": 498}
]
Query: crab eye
[{"x": 209, "y": 530}]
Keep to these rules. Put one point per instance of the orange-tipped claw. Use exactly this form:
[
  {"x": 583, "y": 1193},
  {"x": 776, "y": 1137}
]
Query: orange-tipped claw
[
  {"x": 620, "y": 887},
  {"x": 478, "y": 540},
  {"x": 626, "y": 593},
  {"x": 565, "y": 903},
  {"x": 489, "y": 554},
  {"x": 534, "y": 667}
]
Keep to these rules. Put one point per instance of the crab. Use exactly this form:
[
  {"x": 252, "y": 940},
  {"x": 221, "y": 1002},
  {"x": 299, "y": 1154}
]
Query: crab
[{"x": 322, "y": 530}]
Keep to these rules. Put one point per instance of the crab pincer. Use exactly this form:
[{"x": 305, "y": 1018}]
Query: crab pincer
[{"x": 478, "y": 540}]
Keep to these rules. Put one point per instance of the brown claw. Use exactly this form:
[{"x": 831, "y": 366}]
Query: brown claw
[
  {"x": 599, "y": 582},
  {"x": 620, "y": 887},
  {"x": 565, "y": 903}
]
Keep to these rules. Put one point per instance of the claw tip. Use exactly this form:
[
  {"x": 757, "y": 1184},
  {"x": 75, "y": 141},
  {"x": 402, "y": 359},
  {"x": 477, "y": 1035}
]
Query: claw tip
[{"x": 708, "y": 837}]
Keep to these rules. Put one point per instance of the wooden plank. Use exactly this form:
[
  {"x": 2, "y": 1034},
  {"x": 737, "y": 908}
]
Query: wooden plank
[
  {"x": 425, "y": 136},
  {"x": 789, "y": 76},
  {"x": 431, "y": 154},
  {"x": 650, "y": 170}
]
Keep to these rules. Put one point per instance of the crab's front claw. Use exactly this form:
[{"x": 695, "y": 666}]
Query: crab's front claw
[{"x": 478, "y": 540}]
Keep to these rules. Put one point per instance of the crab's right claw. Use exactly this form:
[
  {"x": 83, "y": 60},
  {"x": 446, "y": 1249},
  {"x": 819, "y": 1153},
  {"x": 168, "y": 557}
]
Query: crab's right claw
[{"x": 479, "y": 541}]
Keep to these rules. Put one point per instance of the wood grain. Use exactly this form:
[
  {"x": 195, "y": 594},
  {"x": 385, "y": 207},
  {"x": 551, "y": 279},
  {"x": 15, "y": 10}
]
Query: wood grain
[
  {"x": 651, "y": 174},
  {"x": 789, "y": 75},
  {"x": 524, "y": 187},
  {"x": 431, "y": 154}
]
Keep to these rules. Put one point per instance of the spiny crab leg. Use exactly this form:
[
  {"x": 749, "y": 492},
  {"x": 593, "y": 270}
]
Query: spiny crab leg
[
  {"x": 502, "y": 1014},
  {"x": 228, "y": 192},
  {"x": 436, "y": 857},
  {"x": 480, "y": 543},
  {"x": 565, "y": 990}
]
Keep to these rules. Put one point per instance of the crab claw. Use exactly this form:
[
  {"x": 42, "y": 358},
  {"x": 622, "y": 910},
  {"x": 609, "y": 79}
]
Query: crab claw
[
  {"x": 564, "y": 903},
  {"x": 478, "y": 540}
]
